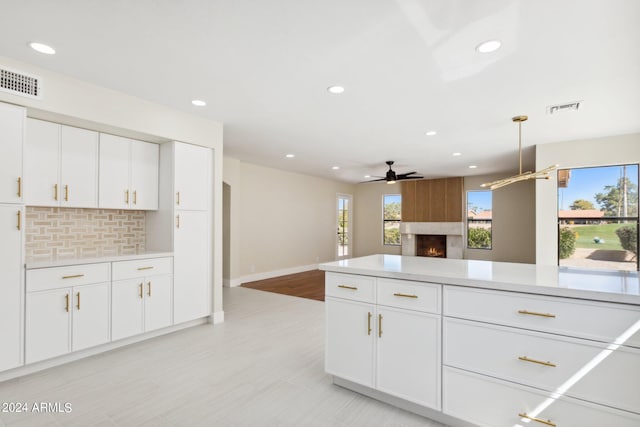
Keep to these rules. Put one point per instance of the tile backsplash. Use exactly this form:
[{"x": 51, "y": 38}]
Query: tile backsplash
[{"x": 78, "y": 233}]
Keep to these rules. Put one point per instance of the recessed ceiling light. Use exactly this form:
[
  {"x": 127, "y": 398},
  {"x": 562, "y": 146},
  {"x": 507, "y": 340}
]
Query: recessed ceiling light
[
  {"x": 488, "y": 46},
  {"x": 290, "y": 156},
  {"x": 335, "y": 89},
  {"x": 431, "y": 133},
  {"x": 198, "y": 103},
  {"x": 42, "y": 48},
  {"x": 335, "y": 168},
  {"x": 456, "y": 154},
  {"x": 473, "y": 167}
]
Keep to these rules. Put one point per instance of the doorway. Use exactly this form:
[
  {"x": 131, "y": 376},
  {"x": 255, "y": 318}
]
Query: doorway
[{"x": 344, "y": 226}]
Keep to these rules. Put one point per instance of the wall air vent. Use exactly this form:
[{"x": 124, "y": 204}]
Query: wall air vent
[
  {"x": 569, "y": 106},
  {"x": 19, "y": 83}
]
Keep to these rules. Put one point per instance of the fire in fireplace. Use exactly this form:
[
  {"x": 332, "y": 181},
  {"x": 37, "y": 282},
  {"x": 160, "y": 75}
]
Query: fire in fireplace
[{"x": 431, "y": 245}]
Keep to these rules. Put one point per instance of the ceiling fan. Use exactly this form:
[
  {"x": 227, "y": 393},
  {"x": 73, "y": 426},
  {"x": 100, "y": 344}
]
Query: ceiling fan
[{"x": 392, "y": 177}]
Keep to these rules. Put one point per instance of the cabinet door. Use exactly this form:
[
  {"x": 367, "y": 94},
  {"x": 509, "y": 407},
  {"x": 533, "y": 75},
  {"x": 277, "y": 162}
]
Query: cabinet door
[
  {"x": 408, "y": 351},
  {"x": 350, "y": 334},
  {"x": 192, "y": 282},
  {"x": 48, "y": 324},
  {"x": 157, "y": 307},
  {"x": 91, "y": 315},
  {"x": 41, "y": 174},
  {"x": 12, "y": 120},
  {"x": 127, "y": 315},
  {"x": 192, "y": 176},
  {"x": 114, "y": 171},
  {"x": 144, "y": 175},
  {"x": 10, "y": 287},
  {"x": 78, "y": 168}
]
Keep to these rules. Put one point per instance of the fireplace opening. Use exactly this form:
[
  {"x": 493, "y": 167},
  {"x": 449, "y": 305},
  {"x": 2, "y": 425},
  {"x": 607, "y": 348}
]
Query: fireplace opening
[{"x": 431, "y": 245}]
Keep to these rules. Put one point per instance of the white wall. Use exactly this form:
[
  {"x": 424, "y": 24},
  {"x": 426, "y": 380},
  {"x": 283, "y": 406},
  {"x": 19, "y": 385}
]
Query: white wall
[
  {"x": 612, "y": 150},
  {"x": 77, "y": 103},
  {"x": 368, "y": 219},
  {"x": 281, "y": 222}
]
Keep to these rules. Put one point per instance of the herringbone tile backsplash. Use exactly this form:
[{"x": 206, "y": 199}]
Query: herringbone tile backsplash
[{"x": 77, "y": 233}]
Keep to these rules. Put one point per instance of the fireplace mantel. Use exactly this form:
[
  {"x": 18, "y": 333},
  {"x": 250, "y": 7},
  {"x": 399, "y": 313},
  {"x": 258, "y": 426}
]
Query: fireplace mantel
[{"x": 453, "y": 230}]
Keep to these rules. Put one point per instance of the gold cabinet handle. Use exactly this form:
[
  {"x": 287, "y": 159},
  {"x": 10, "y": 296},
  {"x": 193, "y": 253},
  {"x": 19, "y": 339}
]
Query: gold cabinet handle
[
  {"x": 126, "y": 196},
  {"x": 534, "y": 313},
  {"x": 405, "y": 295},
  {"x": 78, "y": 296},
  {"x": 66, "y": 307},
  {"x": 19, "y": 225},
  {"x": 66, "y": 193},
  {"x": 178, "y": 198},
  {"x": 19, "y": 186},
  {"x": 353, "y": 288},
  {"x": 149, "y": 288},
  {"x": 539, "y": 362},
  {"x": 135, "y": 197},
  {"x": 55, "y": 192},
  {"x": 75, "y": 276},
  {"x": 140, "y": 290},
  {"x": 369, "y": 323},
  {"x": 145, "y": 268},
  {"x": 379, "y": 325},
  {"x": 538, "y": 420},
  {"x": 177, "y": 221}
]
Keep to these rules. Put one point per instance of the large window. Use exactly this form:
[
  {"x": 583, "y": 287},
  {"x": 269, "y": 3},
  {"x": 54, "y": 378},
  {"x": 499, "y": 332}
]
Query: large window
[
  {"x": 598, "y": 217},
  {"x": 479, "y": 219},
  {"x": 391, "y": 219}
]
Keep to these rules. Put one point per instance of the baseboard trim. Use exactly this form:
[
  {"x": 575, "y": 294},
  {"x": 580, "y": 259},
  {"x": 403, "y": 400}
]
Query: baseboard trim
[
  {"x": 77, "y": 355},
  {"x": 270, "y": 274},
  {"x": 218, "y": 317}
]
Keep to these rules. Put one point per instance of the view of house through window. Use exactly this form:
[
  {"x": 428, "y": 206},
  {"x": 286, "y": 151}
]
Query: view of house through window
[
  {"x": 391, "y": 218},
  {"x": 479, "y": 217},
  {"x": 598, "y": 217}
]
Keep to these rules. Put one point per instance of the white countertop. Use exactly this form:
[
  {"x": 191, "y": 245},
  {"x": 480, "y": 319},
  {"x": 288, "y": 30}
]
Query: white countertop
[
  {"x": 598, "y": 285},
  {"x": 33, "y": 263}
]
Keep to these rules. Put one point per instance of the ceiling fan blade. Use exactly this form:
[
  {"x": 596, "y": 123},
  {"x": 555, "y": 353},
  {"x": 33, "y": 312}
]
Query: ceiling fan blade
[
  {"x": 373, "y": 180},
  {"x": 406, "y": 174},
  {"x": 401, "y": 177}
]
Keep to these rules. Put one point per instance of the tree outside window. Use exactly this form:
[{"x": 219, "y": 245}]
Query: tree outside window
[
  {"x": 479, "y": 219},
  {"x": 391, "y": 207}
]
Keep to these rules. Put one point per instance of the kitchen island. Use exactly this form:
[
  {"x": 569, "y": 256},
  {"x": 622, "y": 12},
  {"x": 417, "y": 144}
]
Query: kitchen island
[{"x": 479, "y": 343}]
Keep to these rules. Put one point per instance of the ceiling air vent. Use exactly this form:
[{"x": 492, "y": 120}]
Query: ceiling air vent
[
  {"x": 570, "y": 106},
  {"x": 19, "y": 83}
]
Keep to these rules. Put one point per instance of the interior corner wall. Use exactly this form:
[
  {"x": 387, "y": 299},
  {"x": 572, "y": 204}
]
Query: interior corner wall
[
  {"x": 281, "y": 222},
  {"x": 513, "y": 227},
  {"x": 368, "y": 221},
  {"x": 605, "y": 151}
]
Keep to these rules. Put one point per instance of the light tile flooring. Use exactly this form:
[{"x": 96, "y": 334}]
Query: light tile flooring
[{"x": 262, "y": 367}]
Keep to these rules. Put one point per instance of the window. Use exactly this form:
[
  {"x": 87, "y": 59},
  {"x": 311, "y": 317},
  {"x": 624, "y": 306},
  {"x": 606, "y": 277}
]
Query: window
[
  {"x": 391, "y": 219},
  {"x": 479, "y": 216},
  {"x": 598, "y": 217}
]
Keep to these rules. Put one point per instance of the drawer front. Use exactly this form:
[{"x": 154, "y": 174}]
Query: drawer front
[
  {"x": 42, "y": 279},
  {"x": 350, "y": 286},
  {"x": 604, "y": 322},
  {"x": 142, "y": 268},
  {"x": 407, "y": 294},
  {"x": 489, "y": 402},
  {"x": 585, "y": 369}
]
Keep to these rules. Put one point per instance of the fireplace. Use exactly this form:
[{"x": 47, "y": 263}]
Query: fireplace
[
  {"x": 450, "y": 232},
  {"x": 431, "y": 245}
]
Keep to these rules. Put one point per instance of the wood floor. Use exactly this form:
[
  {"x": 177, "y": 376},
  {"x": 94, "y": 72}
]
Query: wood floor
[
  {"x": 308, "y": 284},
  {"x": 263, "y": 367}
]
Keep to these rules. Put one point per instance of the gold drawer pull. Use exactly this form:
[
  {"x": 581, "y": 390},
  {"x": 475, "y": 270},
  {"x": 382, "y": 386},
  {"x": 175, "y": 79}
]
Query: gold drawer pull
[
  {"x": 75, "y": 276},
  {"x": 353, "y": 288},
  {"x": 369, "y": 323},
  {"x": 55, "y": 192},
  {"x": 145, "y": 268},
  {"x": 66, "y": 297},
  {"x": 539, "y": 362},
  {"x": 538, "y": 420},
  {"x": 66, "y": 193},
  {"x": 149, "y": 286},
  {"x": 379, "y": 325},
  {"x": 178, "y": 198},
  {"x": 533, "y": 313},
  {"x": 19, "y": 225},
  {"x": 177, "y": 221},
  {"x": 135, "y": 197},
  {"x": 19, "y": 186},
  {"x": 126, "y": 196},
  {"x": 78, "y": 306},
  {"x": 140, "y": 289},
  {"x": 405, "y": 295}
]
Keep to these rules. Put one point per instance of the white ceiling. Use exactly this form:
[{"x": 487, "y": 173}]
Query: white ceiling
[{"x": 408, "y": 66}]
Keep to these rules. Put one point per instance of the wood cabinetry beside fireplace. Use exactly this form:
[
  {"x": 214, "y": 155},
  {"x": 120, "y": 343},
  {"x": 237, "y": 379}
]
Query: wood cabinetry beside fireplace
[{"x": 433, "y": 200}]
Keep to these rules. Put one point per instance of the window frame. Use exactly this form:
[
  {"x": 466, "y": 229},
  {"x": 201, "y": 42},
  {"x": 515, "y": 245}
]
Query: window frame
[
  {"x": 385, "y": 221},
  {"x": 484, "y": 220}
]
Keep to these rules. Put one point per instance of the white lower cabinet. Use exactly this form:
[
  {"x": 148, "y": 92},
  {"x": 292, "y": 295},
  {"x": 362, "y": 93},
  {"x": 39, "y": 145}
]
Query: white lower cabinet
[{"x": 67, "y": 319}]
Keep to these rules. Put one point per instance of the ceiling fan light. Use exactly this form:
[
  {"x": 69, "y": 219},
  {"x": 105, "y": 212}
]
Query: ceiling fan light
[{"x": 391, "y": 182}]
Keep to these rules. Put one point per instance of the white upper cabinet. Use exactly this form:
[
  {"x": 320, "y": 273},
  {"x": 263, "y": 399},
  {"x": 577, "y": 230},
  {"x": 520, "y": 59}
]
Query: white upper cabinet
[
  {"x": 61, "y": 165},
  {"x": 12, "y": 120},
  {"x": 192, "y": 177},
  {"x": 128, "y": 173}
]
